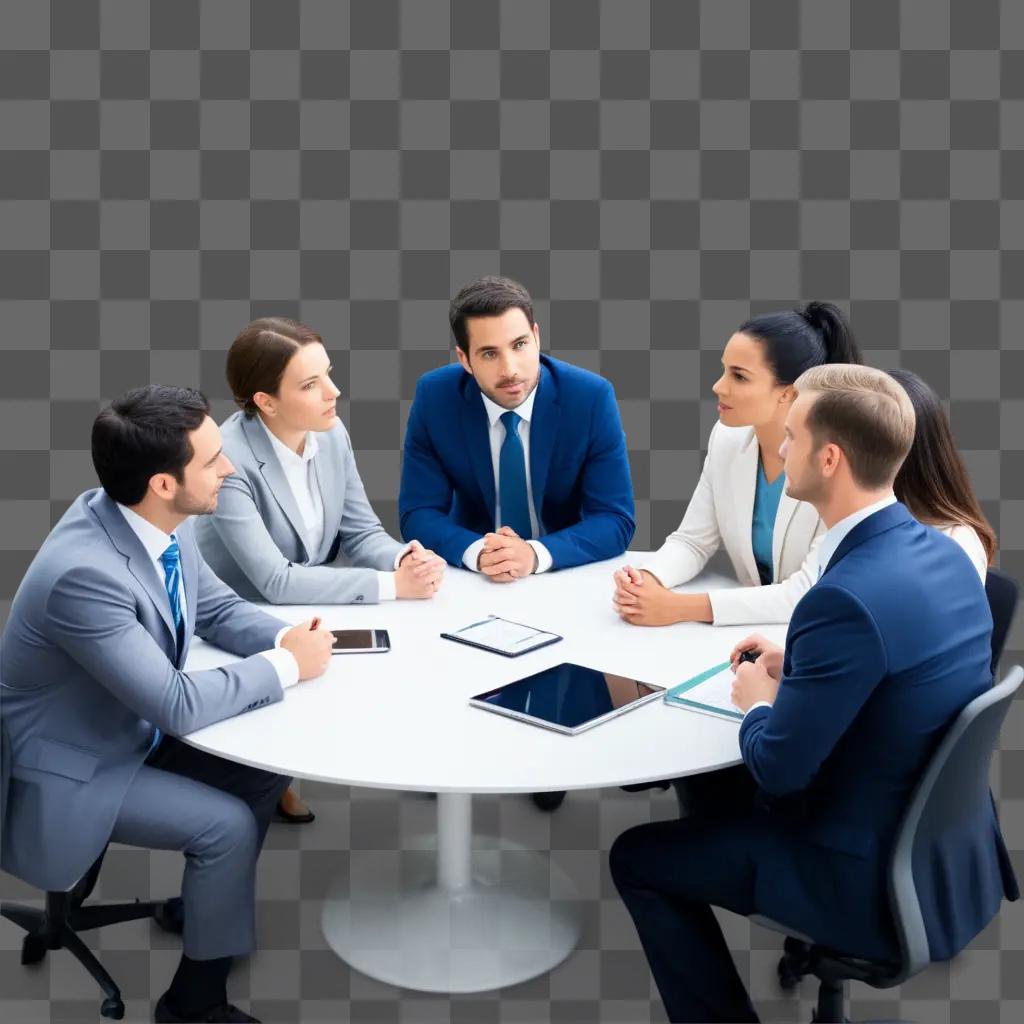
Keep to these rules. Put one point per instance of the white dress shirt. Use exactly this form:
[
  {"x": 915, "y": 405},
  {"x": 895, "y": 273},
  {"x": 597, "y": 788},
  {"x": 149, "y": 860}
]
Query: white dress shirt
[
  {"x": 830, "y": 545},
  {"x": 156, "y": 542},
  {"x": 496, "y": 436},
  {"x": 837, "y": 534},
  {"x": 301, "y": 477}
]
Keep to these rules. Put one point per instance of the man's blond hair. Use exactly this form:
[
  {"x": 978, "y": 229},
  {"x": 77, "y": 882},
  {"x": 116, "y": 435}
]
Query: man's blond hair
[{"x": 866, "y": 413}]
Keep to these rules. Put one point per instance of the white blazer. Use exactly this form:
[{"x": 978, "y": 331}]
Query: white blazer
[
  {"x": 969, "y": 540},
  {"x": 721, "y": 512}
]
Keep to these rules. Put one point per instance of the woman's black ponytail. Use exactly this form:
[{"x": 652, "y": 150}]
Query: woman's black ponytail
[
  {"x": 828, "y": 320},
  {"x": 794, "y": 340}
]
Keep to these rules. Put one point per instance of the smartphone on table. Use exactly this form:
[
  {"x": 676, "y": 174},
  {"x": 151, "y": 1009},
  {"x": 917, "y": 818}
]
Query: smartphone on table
[{"x": 361, "y": 641}]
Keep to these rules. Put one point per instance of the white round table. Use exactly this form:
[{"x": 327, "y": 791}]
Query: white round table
[{"x": 402, "y": 721}]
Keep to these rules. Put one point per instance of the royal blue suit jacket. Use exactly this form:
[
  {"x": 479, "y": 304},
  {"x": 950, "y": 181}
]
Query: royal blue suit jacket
[
  {"x": 881, "y": 655},
  {"x": 579, "y": 468}
]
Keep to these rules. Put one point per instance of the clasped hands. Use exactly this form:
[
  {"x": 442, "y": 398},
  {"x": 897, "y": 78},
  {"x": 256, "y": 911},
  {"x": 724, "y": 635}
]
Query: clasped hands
[
  {"x": 641, "y": 600},
  {"x": 506, "y": 556},
  {"x": 420, "y": 572}
]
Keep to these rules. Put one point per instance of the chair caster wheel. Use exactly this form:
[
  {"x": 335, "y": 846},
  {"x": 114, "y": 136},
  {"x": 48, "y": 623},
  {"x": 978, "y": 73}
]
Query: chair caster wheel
[
  {"x": 33, "y": 949},
  {"x": 788, "y": 978},
  {"x": 112, "y": 1008}
]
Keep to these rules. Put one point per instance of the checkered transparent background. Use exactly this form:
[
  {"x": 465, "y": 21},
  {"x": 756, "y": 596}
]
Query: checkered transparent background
[{"x": 652, "y": 171}]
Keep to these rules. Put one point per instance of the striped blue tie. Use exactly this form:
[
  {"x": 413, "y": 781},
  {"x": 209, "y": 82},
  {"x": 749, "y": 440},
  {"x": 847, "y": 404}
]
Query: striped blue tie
[
  {"x": 515, "y": 505},
  {"x": 171, "y": 561}
]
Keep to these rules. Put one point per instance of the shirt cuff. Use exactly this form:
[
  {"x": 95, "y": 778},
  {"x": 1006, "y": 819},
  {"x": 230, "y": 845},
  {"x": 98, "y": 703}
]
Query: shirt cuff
[
  {"x": 757, "y": 704},
  {"x": 544, "y": 559},
  {"x": 472, "y": 554},
  {"x": 398, "y": 558},
  {"x": 285, "y": 665},
  {"x": 386, "y": 588}
]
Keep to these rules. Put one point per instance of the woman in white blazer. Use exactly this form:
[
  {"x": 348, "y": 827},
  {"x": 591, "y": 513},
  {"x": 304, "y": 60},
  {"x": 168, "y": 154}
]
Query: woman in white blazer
[
  {"x": 740, "y": 501},
  {"x": 933, "y": 481}
]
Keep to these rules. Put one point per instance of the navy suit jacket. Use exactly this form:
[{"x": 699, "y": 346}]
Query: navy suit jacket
[
  {"x": 579, "y": 468},
  {"x": 881, "y": 655}
]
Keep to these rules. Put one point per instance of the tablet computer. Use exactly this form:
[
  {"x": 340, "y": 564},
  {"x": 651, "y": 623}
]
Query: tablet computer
[{"x": 567, "y": 698}]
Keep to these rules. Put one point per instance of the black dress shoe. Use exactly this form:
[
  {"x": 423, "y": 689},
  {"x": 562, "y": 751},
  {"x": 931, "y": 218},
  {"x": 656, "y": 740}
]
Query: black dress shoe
[
  {"x": 549, "y": 801},
  {"x": 171, "y": 915},
  {"x": 639, "y": 787},
  {"x": 223, "y": 1014}
]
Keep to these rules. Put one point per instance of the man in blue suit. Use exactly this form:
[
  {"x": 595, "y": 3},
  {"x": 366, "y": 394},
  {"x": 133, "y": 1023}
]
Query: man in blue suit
[
  {"x": 514, "y": 462},
  {"x": 881, "y": 654}
]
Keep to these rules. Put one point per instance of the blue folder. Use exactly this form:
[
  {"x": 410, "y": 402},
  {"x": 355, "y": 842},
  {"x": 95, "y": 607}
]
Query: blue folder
[{"x": 675, "y": 696}]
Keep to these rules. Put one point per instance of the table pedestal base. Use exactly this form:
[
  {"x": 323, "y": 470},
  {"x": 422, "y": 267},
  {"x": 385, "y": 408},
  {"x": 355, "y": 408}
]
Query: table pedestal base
[{"x": 488, "y": 917}]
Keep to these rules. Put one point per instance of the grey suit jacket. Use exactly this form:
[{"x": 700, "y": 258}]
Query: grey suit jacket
[
  {"x": 256, "y": 540},
  {"x": 88, "y": 665}
]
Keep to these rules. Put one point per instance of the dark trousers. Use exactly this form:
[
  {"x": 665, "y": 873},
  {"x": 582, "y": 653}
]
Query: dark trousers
[
  {"x": 671, "y": 873},
  {"x": 726, "y": 793},
  {"x": 216, "y": 812}
]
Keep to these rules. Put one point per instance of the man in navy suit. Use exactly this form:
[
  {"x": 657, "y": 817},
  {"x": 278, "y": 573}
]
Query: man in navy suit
[
  {"x": 881, "y": 654},
  {"x": 514, "y": 462}
]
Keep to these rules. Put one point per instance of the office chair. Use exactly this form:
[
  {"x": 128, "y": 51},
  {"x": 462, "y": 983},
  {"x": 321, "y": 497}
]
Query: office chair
[
  {"x": 954, "y": 785},
  {"x": 58, "y": 925},
  {"x": 1001, "y": 591}
]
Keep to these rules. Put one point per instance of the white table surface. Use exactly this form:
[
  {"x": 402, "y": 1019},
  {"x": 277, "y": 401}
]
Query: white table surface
[{"x": 402, "y": 720}]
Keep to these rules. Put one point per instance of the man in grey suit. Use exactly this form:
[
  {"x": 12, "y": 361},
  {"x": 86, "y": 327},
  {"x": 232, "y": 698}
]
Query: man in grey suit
[{"x": 94, "y": 695}]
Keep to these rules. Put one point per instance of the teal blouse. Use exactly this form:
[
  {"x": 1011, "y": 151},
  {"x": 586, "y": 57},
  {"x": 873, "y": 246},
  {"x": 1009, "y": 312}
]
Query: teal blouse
[{"x": 766, "y": 505}]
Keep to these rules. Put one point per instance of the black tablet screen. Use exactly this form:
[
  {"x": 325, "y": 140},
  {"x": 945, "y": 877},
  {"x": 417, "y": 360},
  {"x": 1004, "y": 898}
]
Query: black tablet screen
[{"x": 568, "y": 695}]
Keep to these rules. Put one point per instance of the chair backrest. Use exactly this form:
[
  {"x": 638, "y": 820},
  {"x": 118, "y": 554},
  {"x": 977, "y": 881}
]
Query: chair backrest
[
  {"x": 954, "y": 786},
  {"x": 1002, "y": 592}
]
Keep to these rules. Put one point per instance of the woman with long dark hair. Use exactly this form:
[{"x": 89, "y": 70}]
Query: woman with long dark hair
[
  {"x": 933, "y": 481},
  {"x": 740, "y": 502}
]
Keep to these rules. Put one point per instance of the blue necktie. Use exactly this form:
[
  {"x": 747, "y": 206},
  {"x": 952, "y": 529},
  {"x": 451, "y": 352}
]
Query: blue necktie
[
  {"x": 171, "y": 561},
  {"x": 515, "y": 506}
]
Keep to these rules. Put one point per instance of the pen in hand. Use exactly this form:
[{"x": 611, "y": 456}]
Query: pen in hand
[{"x": 315, "y": 624}]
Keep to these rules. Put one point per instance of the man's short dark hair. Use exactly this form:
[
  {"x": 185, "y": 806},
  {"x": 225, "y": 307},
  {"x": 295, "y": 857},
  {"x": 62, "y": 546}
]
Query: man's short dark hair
[
  {"x": 142, "y": 433},
  {"x": 487, "y": 296}
]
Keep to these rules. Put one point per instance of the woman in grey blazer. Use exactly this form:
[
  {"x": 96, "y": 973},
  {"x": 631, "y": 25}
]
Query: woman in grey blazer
[{"x": 293, "y": 524}]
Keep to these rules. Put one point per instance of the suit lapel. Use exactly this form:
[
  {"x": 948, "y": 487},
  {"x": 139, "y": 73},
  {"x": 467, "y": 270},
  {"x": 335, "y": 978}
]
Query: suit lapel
[
  {"x": 190, "y": 581},
  {"x": 783, "y": 517},
  {"x": 880, "y": 521},
  {"x": 476, "y": 434},
  {"x": 329, "y": 477},
  {"x": 744, "y": 480},
  {"x": 122, "y": 536},
  {"x": 547, "y": 413},
  {"x": 274, "y": 476}
]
